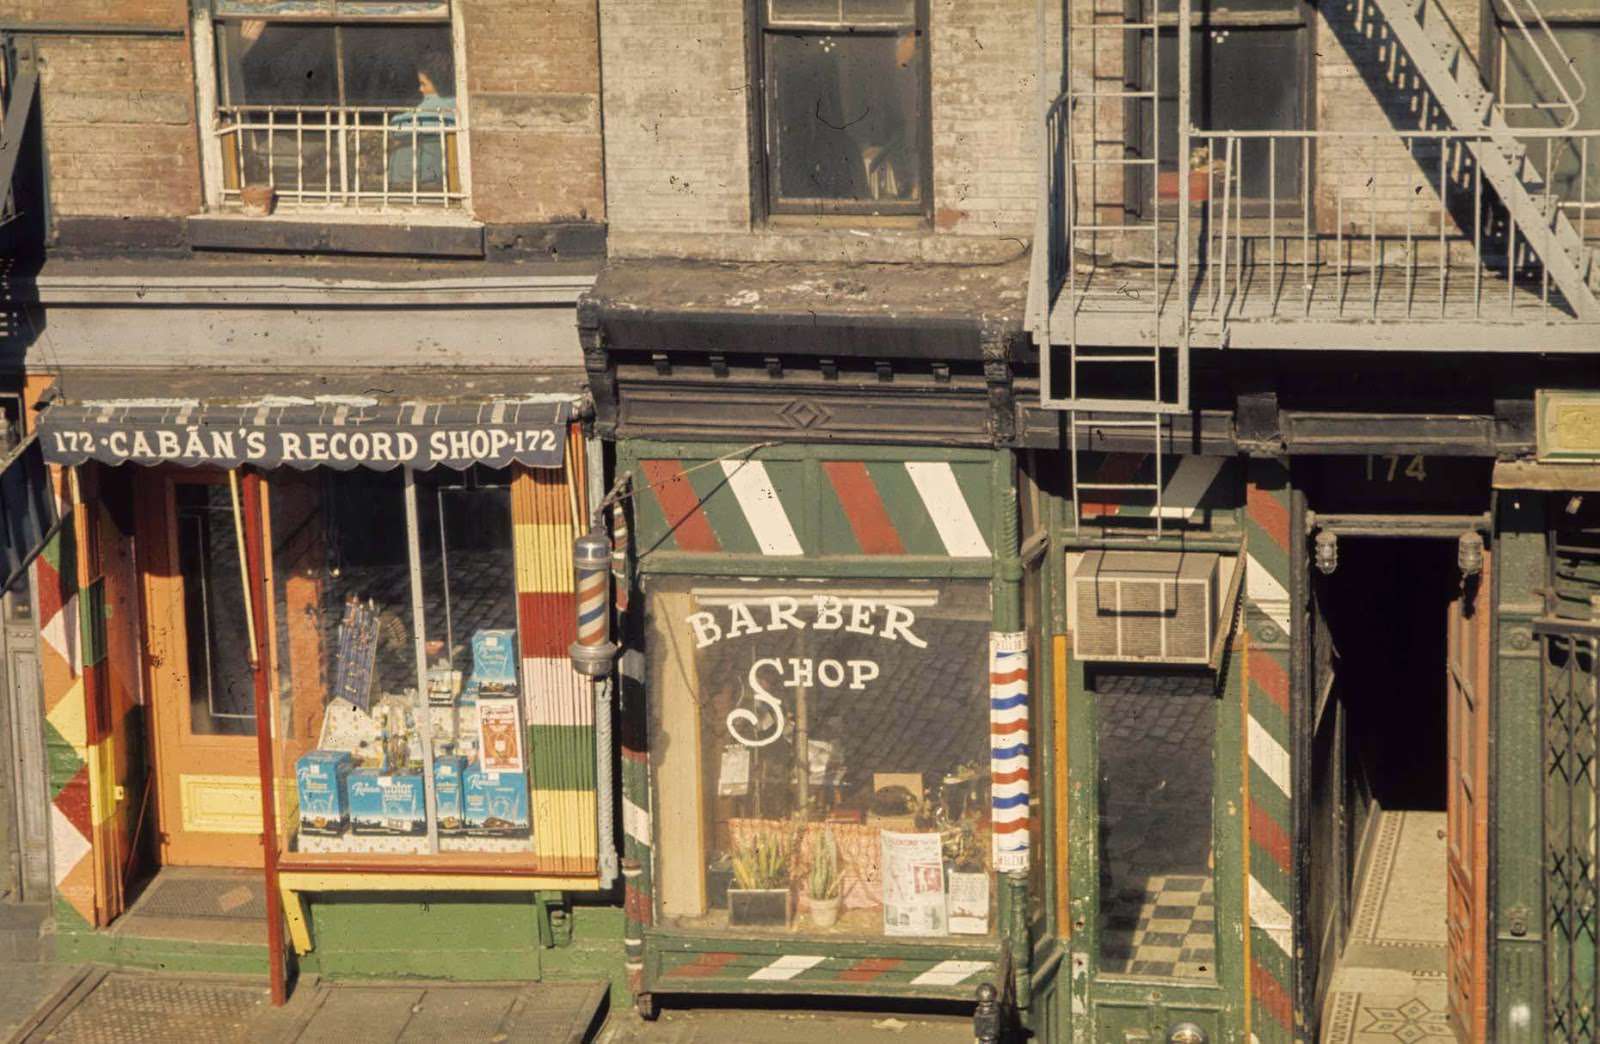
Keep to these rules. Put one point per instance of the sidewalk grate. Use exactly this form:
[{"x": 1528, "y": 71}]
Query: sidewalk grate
[{"x": 138, "y": 1009}]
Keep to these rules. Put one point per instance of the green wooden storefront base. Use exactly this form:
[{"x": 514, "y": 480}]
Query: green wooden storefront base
[
  {"x": 680, "y": 963},
  {"x": 463, "y": 938},
  {"x": 87, "y": 946}
]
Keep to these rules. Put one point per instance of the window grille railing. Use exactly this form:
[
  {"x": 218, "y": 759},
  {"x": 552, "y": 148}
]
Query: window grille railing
[{"x": 342, "y": 155}]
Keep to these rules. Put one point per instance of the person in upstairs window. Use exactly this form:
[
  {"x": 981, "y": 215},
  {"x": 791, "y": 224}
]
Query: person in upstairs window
[{"x": 417, "y": 163}]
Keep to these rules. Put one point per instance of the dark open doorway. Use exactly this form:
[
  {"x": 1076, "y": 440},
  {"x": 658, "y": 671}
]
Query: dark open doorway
[{"x": 1380, "y": 772}]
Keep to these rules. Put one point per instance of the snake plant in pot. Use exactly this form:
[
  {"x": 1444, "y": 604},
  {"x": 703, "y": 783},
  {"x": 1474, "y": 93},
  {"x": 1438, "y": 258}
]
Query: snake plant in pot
[
  {"x": 761, "y": 874},
  {"x": 823, "y": 883}
]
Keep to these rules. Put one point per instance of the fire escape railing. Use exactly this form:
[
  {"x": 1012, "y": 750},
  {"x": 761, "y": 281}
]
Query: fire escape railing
[
  {"x": 1489, "y": 220},
  {"x": 1414, "y": 246},
  {"x": 19, "y": 86}
]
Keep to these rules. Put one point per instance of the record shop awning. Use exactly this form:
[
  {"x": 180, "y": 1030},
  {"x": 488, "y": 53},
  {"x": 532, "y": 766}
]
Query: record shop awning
[{"x": 379, "y": 421}]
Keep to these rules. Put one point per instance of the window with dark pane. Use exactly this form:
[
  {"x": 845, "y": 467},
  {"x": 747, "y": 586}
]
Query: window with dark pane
[
  {"x": 846, "y": 110},
  {"x": 1156, "y": 737},
  {"x": 1247, "y": 71},
  {"x": 338, "y": 113},
  {"x": 222, "y": 699}
]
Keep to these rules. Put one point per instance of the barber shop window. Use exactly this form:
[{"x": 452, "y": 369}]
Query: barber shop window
[
  {"x": 845, "y": 97},
  {"x": 324, "y": 103}
]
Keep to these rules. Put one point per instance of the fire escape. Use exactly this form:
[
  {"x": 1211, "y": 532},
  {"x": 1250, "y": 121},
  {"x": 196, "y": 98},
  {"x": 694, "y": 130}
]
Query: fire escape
[
  {"x": 19, "y": 86},
  {"x": 1473, "y": 241}
]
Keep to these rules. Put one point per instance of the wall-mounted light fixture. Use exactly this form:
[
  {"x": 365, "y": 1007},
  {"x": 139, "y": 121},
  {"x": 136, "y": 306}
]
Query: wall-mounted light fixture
[
  {"x": 1469, "y": 553},
  {"x": 1326, "y": 553}
]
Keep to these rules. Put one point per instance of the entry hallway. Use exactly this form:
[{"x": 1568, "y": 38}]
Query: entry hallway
[{"x": 1390, "y": 984}]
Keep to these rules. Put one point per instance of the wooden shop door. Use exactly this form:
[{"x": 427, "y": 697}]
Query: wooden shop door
[
  {"x": 202, "y": 691},
  {"x": 1467, "y": 806}
]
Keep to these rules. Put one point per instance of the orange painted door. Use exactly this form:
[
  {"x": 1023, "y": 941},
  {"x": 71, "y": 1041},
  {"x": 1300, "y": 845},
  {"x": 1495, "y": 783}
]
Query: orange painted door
[
  {"x": 201, "y": 685},
  {"x": 1467, "y": 859}
]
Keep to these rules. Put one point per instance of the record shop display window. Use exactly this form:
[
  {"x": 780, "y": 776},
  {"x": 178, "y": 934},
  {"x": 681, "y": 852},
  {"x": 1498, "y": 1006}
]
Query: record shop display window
[
  {"x": 396, "y": 734},
  {"x": 821, "y": 756}
]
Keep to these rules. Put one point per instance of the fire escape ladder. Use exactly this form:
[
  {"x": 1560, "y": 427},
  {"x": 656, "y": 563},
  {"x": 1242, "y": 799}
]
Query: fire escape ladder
[
  {"x": 1124, "y": 393},
  {"x": 1532, "y": 210}
]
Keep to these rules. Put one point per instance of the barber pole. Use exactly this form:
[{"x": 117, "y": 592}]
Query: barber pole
[{"x": 594, "y": 650}]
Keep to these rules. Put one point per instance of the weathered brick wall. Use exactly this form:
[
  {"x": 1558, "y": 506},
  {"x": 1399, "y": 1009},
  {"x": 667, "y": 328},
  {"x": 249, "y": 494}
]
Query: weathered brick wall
[
  {"x": 118, "y": 117},
  {"x": 1363, "y": 83},
  {"x": 159, "y": 13},
  {"x": 533, "y": 84},
  {"x": 678, "y": 137}
]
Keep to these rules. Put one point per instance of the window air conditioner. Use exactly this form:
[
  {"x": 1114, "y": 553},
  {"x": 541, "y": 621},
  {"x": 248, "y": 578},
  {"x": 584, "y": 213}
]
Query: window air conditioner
[{"x": 1152, "y": 606}]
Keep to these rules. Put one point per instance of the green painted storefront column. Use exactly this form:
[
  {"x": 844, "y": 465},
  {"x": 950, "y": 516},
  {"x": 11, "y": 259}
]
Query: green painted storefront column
[
  {"x": 1517, "y": 780},
  {"x": 1007, "y": 601}
]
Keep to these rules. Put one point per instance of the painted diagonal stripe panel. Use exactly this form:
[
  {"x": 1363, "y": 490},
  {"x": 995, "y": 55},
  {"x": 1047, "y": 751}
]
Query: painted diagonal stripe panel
[
  {"x": 786, "y": 967},
  {"x": 863, "y": 507},
  {"x": 762, "y": 509},
  {"x": 681, "y": 505},
  {"x": 952, "y": 515},
  {"x": 949, "y": 973}
]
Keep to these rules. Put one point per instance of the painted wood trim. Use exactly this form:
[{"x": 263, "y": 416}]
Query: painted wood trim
[{"x": 334, "y": 881}]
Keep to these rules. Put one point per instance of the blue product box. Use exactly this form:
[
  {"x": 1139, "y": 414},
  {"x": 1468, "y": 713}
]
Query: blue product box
[
  {"x": 448, "y": 773},
  {"x": 496, "y": 803},
  {"x": 494, "y": 664},
  {"x": 387, "y": 803},
  {"x": 320, "y": 777}
]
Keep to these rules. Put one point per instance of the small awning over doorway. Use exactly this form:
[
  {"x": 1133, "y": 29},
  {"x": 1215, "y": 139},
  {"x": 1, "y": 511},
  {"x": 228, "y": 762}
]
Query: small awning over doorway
[
  {"x": 28, "y": 511},
  {"x": 371, "y": 420}
]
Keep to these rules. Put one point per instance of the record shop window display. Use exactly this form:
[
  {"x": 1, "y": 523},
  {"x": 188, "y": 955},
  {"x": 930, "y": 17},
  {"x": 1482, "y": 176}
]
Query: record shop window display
[
  {"x": 351, "y": 706},
  {"x": 821, "y": 756}
]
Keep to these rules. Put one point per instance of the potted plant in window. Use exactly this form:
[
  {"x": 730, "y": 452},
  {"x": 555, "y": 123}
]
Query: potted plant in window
[
  {"x": 761, "y": 895},
  {"x": 1201, "y": 167},
  {"x": 823, "y": 883}
]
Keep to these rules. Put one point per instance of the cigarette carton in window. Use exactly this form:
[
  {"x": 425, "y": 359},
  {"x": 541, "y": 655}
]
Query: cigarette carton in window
[
  {"x": 448, "y": 773},
  {"x": 387, "y": 804},
  {"x": 321, "y": 777},
  {"x": 494, "y": 664},
  {"x": 496, "y": 803}
]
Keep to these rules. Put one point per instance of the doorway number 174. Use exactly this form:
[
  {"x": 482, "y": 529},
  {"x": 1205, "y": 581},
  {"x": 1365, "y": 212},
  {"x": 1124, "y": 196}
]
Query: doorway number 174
[{"x": 1390, "y": 466}]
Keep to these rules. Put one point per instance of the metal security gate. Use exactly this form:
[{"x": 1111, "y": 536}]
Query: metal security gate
[{"x": 1571, "y": 717}]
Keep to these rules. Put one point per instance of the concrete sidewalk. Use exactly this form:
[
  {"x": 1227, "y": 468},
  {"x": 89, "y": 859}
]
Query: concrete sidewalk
[{"x": 120, "y": 1006}]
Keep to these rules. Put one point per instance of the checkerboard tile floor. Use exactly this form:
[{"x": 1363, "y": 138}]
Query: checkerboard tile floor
[{"x": 1167, "y": 928}]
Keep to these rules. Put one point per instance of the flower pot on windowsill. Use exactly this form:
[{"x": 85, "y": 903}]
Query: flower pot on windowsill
[
  {"x": 764, "y": 907},
  {"x": 258, "y": 200},
  {"x": 825, "y": 912},
  {"x": 1199, "y": 185}
]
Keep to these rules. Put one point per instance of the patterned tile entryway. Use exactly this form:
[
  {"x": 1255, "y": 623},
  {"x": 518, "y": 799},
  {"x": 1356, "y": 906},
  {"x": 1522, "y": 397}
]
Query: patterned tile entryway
[
  {"x": 1416, "y": 1017},
  {"x": 1168, "y": 929},
  {"x": 1390, "y": 984}
]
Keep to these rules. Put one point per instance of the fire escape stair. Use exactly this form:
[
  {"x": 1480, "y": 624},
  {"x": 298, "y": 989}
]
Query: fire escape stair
[{"x": 1453, "y": 80}]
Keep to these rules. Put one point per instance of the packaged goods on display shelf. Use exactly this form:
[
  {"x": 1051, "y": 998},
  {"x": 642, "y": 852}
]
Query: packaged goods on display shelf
[
  {"x": 320, "y": 780},
  {"x": 348, "y": 728},
  {"x": 496, "y": 802},
  {"x": 449, "y": 793},
  {"x": 387, "y": 803},
  {"x": 494, "y": 664}
]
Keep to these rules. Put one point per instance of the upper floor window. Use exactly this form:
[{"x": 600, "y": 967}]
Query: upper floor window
[
  {"x": 328, "y": 104},
  {"x": 1248, "y": 71},
  {"x": 1544, "y": 81},
  {"x": 845, "y": 93}
]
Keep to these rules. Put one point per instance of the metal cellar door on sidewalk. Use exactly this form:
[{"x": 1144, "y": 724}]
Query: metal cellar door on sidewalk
[{"x": 1467, "y": 806}]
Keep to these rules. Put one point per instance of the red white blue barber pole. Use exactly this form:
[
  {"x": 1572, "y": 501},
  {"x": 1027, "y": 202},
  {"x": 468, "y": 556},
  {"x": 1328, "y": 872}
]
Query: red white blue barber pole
[{"x": 594, "y": 650}]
